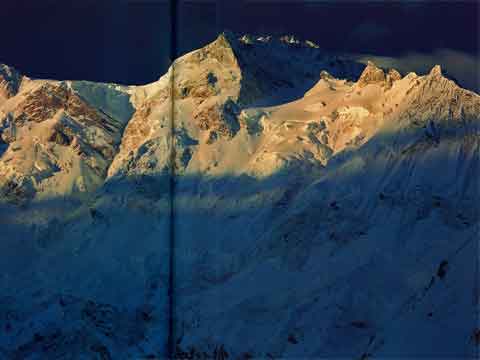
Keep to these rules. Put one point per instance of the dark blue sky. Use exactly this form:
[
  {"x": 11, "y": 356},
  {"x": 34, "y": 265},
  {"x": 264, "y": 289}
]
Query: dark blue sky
[{"x": 129, "y": 41}]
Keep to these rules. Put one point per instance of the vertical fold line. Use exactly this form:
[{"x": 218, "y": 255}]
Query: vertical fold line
[{"x": 171, "y": 298}]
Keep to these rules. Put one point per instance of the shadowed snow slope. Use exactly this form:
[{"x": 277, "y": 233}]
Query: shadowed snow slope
[{"x": 314, "y": 216}]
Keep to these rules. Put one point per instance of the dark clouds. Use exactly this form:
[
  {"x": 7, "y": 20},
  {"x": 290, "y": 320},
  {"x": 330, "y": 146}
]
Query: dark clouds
[
  {"x": 129, "y": 41},
  {"x": 369, "y": 33}
]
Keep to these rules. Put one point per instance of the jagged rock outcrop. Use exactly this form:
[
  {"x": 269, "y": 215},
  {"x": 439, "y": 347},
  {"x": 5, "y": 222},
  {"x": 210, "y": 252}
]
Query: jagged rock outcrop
[
  {"x": 371, "y": 75},
  {"x": 375, "y": 75},
  {"x": 10, "y": 81},
  {"x": 392, "y": 76},
  {"x": 436, "y": 71}
]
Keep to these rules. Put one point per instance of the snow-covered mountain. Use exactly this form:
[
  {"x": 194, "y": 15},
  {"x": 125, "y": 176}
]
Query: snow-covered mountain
[{"x": 321, "y": 208}]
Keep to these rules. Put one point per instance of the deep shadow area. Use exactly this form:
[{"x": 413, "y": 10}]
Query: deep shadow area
[{"x": 342, "y": 232}]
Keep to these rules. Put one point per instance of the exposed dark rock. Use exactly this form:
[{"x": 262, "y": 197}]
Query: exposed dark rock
[
  {"x": 223, "y": 119},
  {"x": 184, "y": 139},
  {"x": 185, "y": 156},
  {"x": 292, "y": 340},
  {"x": 212, "y": 79},
  {"x": 442, "y": 269},
  {"x": 10, "y": 81},
  {"x": 60, "y": 138},
  {"x": 359, "y": 324},
  {"x": 212, "y": 137},
  {"x": 8, "y": 129}
]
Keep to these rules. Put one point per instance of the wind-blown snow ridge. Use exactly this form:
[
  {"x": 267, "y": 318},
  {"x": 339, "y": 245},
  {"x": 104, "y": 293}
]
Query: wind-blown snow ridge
[{"x": 323, "y": 208}]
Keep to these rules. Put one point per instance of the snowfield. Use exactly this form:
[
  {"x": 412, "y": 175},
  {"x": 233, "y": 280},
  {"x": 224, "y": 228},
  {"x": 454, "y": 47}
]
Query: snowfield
[{"x": 317, "y": 207}]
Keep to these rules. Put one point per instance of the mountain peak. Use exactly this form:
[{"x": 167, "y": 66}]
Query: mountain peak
[
  {"x": 287, "y": 40},
  {"x": 394, "y": 74},
  {"x": 226, "y": 37},
  {"x": 325, "y": 75},
  {"x": 273, "y": 173},
  {"x": 371, "y": 75},
  {"x": 436, "y": 71},
  {"x": 221, "y": 49}
]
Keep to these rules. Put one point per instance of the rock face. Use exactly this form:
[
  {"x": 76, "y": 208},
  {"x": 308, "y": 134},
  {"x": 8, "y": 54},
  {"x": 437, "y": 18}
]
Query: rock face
[
  {"x": 371, "y": 75},
  {"x": 222, "y": 119},
  {"x": 59, "y": 144},
  {"x": 10, "y": 81},
  {"x": 313, "y": 216}
]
